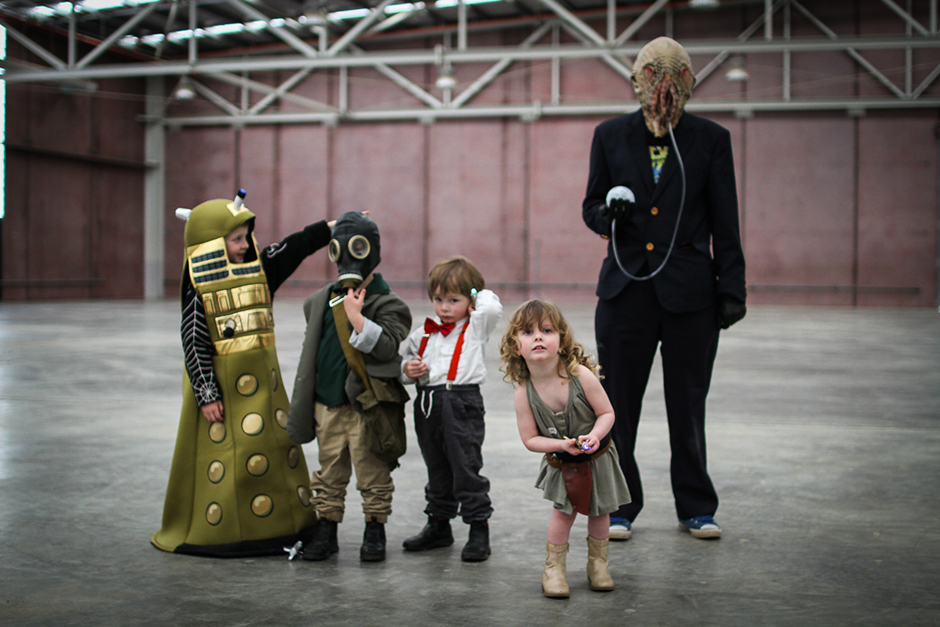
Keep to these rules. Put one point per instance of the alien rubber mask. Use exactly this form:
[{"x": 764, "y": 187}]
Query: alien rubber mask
[
  {"x": 663, "y": 80},
  {"x": 354, "y": 248}
]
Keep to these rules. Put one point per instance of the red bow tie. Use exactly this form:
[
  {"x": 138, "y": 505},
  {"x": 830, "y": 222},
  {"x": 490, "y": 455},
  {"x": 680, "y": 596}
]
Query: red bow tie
[{"x": 432, "y": 327}]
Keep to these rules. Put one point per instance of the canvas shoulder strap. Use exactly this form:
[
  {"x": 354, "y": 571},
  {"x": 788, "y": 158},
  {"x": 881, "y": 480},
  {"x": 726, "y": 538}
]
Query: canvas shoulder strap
[{"x": 353, "y": 356}]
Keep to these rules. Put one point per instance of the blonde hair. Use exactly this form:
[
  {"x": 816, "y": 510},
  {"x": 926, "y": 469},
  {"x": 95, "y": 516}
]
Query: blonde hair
[
  {"x": 455, "y": 275},
  {"x": 535, "y": 312}
]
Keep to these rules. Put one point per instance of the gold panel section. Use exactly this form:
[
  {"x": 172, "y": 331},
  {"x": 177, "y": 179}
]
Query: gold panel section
[
  {"x": 280, "y": 417},
  {"x": 208, "y": 302},
  {"x": 247, "y": 384},
  {"x": 225, "y": 300},
  {"x": 252, "y": 424},
  {"x": 248, "y": 295},
  {"x": 262, "y": 505},
  {"x": 247, "y": 321},
  {"x": 303, "y": 495},
  {"x": 257, "y": 465},
  {"x": 216, "y": 471},
  {"x": 245, "y": 343},
  {"x": 293, "y": 456},
  {"x": 214, "y": 514},
  {"x": 217, "y": 432}
]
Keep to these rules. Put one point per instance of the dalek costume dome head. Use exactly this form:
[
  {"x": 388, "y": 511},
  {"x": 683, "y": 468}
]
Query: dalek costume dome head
[{"x": 216, "y": 218}]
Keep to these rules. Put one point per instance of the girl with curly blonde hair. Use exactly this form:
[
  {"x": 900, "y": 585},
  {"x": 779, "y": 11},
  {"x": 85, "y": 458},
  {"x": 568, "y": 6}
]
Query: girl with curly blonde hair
[{"x": 563, "y": 412}]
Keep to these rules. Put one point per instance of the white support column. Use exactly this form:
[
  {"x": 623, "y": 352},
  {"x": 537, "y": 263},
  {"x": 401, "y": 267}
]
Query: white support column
[
  {"x": 154, "y": 189},
  {"x": 461, "y": 25},
  {"x": 611, "y": 20},
  {"x": 768, "y": 19},
  {"x": 71, "y": 52}
]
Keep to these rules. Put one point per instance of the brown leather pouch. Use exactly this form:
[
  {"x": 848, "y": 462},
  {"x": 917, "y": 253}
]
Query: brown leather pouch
[{"x": 578, "y": 484}]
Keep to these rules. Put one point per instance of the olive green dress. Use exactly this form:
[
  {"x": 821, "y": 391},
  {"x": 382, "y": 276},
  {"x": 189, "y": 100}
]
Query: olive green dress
[
  {"x": 239, "y": 487},
  {"x": 609, "y": 488}
]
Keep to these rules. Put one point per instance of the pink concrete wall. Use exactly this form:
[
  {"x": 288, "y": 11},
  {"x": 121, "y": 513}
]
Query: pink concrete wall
[
  {"x": 834, "y": 209},
  {"x": 74, "y": 190}
]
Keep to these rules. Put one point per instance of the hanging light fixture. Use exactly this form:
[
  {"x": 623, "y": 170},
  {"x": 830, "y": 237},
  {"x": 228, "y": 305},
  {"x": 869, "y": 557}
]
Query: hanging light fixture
[
  {"x": 737, "y": 72},
  {"x": 184, "y": 89},
  {"x": 703, "y": 4},
  {"x": 446, "y": 78}
]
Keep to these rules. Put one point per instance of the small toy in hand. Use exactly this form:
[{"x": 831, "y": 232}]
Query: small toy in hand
[{"x": 581, "y": 445}]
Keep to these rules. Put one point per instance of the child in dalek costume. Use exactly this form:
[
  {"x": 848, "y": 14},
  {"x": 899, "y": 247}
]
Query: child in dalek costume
[
  {"x": 563, "y": 412},
  {"x": 238, "y": 485}
]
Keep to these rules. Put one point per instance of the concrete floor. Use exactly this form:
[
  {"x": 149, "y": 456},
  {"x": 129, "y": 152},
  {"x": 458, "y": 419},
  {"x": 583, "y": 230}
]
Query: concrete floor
[{"x": 824, "y": 443}]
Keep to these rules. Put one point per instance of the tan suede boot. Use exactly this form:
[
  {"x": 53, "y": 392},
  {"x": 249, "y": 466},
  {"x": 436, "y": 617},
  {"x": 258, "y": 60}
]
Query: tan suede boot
[
  {"x": 554, "y": 577},
  {"x": 597, "y": 571}
]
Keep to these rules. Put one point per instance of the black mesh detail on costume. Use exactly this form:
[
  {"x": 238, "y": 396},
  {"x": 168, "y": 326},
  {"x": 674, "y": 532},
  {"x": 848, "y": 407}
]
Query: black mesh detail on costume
[
  {"x": 250, "y": 270},
  {"x": 215, "y": 254},
  {"x": 198, "y": 350},
  {"x": 216, "y": 276},
  {"x": 215, "y": 265}
]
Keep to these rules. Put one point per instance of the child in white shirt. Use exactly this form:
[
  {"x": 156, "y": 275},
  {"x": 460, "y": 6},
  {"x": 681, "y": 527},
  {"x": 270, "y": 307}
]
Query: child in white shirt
[{"x": 444, "y": 358}]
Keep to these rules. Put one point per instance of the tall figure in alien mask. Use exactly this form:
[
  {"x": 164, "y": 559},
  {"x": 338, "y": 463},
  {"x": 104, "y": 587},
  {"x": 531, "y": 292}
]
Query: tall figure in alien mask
[
  {"x": 347, "y": 392},
  {"x": 673, "y": 275}
]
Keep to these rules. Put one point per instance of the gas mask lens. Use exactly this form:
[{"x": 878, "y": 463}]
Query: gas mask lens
[
  {"x": 359, "y": 247},
  {"x": 334, "y": 250}
]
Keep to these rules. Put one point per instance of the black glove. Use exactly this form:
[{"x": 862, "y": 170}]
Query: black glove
[
  {"x": 619, "y": 205},
  {"x": 730, "y": 310}
]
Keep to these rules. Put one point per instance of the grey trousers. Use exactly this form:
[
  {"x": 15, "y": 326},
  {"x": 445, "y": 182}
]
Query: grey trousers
[{"x": 450, "y": 429}]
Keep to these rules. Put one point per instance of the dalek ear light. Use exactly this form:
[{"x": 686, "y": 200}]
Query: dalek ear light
[{"x": 229, "y": 330}]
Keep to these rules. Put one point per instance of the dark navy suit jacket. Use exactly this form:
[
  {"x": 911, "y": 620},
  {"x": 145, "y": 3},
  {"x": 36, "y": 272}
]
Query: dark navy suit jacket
[{"x": 707, "y": 259}]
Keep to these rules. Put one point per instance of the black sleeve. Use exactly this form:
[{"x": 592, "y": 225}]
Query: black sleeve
[
  {"x": 280, "y": 260},
  {"x": 197, "y": 349},
  {"x": 599, "y": 183}
]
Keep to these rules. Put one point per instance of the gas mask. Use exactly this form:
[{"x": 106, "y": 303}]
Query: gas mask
[
  {"x": 663, "y": 80},
  {"x": 354, "y": 248}
]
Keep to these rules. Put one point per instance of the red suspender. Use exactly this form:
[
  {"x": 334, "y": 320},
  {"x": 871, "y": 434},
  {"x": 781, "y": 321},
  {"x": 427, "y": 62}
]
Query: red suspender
[{"x": 452, "y": 373}]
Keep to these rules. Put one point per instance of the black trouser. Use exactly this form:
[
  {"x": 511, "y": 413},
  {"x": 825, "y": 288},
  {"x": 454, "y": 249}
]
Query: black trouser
[
  {"x": 629, "y": 328},
  {"x": 450, "y": 429}
]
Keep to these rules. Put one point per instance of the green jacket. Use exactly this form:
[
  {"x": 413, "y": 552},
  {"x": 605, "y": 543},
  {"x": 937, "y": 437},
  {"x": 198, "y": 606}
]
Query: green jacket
[{"x": 388, "y": 311}]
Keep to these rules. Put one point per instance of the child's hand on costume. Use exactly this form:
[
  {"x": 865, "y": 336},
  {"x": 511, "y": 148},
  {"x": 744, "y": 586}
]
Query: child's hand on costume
[
  {"x": 353, "y": 306},
  {"x": 415, "y": 368},
  {"x": 213, "y": 411}
]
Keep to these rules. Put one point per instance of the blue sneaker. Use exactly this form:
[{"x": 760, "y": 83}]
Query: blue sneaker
[
  {"x": 620, "y": 528},
  {"x": 701, "y": 527}
]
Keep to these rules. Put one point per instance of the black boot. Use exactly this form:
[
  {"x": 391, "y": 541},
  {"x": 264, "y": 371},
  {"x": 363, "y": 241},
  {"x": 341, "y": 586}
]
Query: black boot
[
  {"x": 373, "y": 542},
  {"x": 435, "y": 534},
  {"x": 323, "y": 543},
  {"x": 477, "y": 548}
]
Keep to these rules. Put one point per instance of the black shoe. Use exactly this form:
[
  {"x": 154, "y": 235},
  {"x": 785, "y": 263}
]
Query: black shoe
[
  {"x": 435, "y": 534},
  {"x": 323, "y": 543},
  {"x": 477, "y": 548},
  {"x": 373, "y": 542}
]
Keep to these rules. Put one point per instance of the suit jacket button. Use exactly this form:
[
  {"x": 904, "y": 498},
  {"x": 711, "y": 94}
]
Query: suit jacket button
[
  {"x": 655, "y": 211},
  {"x": 649, "y": 246}
]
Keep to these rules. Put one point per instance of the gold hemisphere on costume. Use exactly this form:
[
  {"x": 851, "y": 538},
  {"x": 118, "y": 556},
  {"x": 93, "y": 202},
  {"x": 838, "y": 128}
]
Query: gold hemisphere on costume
[{"x": 239, "y": 487}]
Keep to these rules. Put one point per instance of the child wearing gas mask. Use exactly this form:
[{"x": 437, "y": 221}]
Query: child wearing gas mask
[
  {"x": 237, "y": 485},
  {"x": 349, "y": 360},
  {"x": 444, "y": 358},
  {"x": 563, "y": 412}
]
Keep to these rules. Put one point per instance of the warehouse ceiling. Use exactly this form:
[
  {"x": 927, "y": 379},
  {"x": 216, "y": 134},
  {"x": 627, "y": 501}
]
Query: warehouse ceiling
[
  {"x": 235, "y": 41},
  {"x": 163, "y": 29}
]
